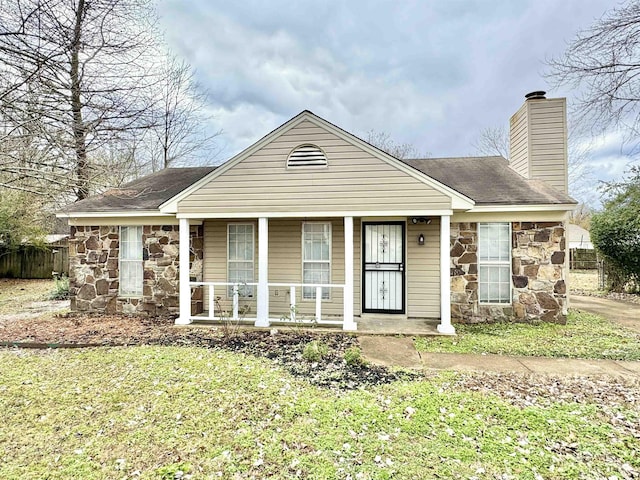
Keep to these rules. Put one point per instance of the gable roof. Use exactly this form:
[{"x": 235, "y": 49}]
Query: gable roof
[
  {"x": 458, "y": 199},
  {"x": 489, "y": 181},
  {"x": 144, "y": 194},
  {"x": 468, "y": 181}
]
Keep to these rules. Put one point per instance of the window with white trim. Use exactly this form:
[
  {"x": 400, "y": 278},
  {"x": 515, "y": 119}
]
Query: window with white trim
[
  {"x": 131, "y": 268},
  {"x": 494, "y": 262},
  {"x": 240, "y": 257},
  {"x": 316, "y": 257}
]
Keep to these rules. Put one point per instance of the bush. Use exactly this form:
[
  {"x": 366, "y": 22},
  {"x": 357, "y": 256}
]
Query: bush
[
  {"x": 314, "y": 351},
  {"x": 615, "y": 231},
  {"x": 61, "y": 289},
  {"x": 353, "y": 357}
]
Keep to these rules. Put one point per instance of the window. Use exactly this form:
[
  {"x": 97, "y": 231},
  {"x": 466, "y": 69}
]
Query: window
[
  {"x": 131, "y": 261},
  {"x": 240, "y": 253},
  {"x": 494, "y": 262},
  {"x": 306, "y": 156},
  {"x": 316, "y": 257}
]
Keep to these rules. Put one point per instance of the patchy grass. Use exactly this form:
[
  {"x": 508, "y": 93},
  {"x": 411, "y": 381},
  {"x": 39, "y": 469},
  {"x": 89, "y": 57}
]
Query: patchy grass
[
  {"x": 150, "y": 412},
  {"x": 15, "y": 293},
  {"x": 584, "y": 336}
]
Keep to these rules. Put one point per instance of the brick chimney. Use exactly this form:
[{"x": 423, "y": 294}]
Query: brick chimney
[{"x": 538, "y": 140}]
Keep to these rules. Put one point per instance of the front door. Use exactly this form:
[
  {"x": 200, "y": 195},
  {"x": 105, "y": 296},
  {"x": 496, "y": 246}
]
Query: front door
[{"x": 383, "y": 267}]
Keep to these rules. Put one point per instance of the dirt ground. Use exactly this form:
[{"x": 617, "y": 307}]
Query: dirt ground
[
  {"x": 27, "y": 298},
  {"x": 583, "y": 280}
]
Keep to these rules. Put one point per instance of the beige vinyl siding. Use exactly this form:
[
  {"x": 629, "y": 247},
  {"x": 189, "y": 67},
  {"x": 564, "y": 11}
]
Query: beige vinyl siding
[
  {"x": 538, "y": 141},
  {"x": 215, "y": 263},
  {"x": 519, "y": 142},
  {"x": 353, "y": 180},
  {"x": 548, "y": 141},
  {"x": 285, "y": 265},
  {"x": 423, "y": 270}
]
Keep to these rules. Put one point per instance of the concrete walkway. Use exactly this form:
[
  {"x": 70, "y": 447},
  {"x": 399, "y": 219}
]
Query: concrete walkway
[
  {"x": 537, "y": 365},
  {"x": 400, "y": 351}
]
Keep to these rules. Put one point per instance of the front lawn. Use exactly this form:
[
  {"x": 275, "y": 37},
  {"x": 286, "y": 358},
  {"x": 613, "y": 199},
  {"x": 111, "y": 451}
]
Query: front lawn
[
  {"x": 16, "y": 293},
  {"x": 149, "y": 412},
  {"x": 584, "y": 336}
]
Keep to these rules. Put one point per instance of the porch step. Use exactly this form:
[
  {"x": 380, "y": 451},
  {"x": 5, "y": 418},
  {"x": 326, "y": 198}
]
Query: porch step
[{"x": 391, "y": 325}]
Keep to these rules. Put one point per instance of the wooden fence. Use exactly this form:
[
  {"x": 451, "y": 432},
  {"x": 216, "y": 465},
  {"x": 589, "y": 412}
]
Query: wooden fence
[{"x": 31, "y": 262}]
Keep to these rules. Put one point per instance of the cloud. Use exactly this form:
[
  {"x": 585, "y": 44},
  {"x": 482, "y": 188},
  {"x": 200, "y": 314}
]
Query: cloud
[{"x": 432, "y": 74}]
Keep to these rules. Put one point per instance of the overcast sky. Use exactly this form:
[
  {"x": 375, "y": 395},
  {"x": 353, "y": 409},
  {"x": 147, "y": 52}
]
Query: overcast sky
[{"x": 429, "y": 73}]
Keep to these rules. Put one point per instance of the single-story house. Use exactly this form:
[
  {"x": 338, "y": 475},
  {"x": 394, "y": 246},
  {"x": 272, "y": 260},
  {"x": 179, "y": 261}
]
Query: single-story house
[{"x": 311, "y": 223}]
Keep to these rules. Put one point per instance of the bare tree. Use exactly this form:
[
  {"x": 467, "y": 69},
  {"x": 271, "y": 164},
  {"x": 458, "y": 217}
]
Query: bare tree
[
  {"x": 492, "y": 141},
  {"x": 603, "y": 63},
  {"x": 384, "y": 142},
  {"x": 180, "y": 132},
  {"x": 88, "y": 65},
  {"x": 581, "y": 215}
]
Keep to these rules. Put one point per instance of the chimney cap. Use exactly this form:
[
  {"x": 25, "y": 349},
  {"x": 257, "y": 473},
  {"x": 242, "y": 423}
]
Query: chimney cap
[{"x": 535, "y": 95}]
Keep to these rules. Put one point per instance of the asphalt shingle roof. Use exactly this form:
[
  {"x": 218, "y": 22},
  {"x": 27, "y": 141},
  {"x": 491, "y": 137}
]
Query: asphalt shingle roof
[
  {"x": 146, "y": 193},
  {"x": 486, "y": 180},
  {"x": 489, "y": 181}
]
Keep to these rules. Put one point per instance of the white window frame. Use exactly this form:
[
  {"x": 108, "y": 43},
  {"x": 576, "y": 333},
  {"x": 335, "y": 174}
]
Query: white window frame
[
  {"x": 495, "y": 263},
  {"x": 136, "y": 290},
  {"x": 326, "y": 292},
  {"x": 249, "y": 289}
]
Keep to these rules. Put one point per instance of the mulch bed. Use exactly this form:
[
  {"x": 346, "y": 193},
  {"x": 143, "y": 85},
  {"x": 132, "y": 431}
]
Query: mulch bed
[{"x": 283, "y": 347}]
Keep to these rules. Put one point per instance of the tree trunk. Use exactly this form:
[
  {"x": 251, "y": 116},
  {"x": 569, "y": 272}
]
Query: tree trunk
[{"x": 79, "y": 128}]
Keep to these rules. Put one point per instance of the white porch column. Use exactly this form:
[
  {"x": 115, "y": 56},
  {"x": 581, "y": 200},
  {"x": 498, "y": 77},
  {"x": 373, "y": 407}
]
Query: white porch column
[
  {"x": 445, "y": 277},
  {"x": 262, "y": 314},
  {"x": 348, "y": 323},
  {"x": 185, "y": 289}
]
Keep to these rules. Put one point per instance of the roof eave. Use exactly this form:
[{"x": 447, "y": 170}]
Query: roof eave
[
  {"x": 548, "y": 207},
  {"x": 115, "y": 213}
]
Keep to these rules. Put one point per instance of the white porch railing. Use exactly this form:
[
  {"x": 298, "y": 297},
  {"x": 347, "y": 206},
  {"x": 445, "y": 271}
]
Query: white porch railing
[{"x": 290, "y": 317}]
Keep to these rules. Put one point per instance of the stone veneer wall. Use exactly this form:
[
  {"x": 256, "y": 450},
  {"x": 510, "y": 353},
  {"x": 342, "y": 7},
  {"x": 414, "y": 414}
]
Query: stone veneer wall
[
  {"x": 94, "y": 270},
  {"x": 538, "y": 283}
]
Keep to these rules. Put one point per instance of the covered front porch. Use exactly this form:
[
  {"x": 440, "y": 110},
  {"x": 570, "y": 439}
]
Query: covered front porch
[{"x": 284, "y": 295}]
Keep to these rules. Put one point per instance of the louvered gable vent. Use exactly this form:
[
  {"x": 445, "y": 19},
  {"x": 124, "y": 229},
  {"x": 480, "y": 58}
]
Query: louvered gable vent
[{"x": 307, "y": 156}]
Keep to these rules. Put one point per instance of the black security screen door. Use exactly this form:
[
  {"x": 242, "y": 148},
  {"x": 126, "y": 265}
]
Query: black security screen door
[{"x": 383, "y": 267}]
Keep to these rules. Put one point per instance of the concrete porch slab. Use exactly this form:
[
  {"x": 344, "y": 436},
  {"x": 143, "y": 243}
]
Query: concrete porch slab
[
  {"x": 381, "y": 325},
  {"x": 378, "y": 325}
]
